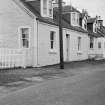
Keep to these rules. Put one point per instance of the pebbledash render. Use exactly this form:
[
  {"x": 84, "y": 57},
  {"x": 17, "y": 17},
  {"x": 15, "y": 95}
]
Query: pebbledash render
[{"x": 32, "y": 26}]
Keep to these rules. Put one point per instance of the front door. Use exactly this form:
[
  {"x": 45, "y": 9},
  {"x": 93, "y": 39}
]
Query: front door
[{"x": 67, "y": 47}]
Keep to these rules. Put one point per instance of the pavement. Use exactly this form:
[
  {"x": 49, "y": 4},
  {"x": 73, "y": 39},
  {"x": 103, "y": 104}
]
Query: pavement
[{"x": 86, "y": 86}]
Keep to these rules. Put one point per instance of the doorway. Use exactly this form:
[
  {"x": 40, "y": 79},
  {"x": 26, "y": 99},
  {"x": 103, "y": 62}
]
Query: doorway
[{"x": 67, "y": 47}]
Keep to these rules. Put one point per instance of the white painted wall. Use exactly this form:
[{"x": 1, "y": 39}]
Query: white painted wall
[
  {"x": 98, "y": 51},
  {"x": 102, "y": 49},
  {"x": 74, "y": 53},
  {"x": 45, "y": 56}
]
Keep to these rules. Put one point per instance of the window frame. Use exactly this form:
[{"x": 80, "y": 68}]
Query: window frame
[
  {"x": 75, "y": 18},
  {"x": 53, "y": 41},
  {"x": 99, "y": 45},
  {"x": 79, "y": 43},
  {"x": 45, "y": 8},
  {"x": 20, "y": 36},
  {"x": 91, "y": 43},
  {"x": 48, "y": 8}
]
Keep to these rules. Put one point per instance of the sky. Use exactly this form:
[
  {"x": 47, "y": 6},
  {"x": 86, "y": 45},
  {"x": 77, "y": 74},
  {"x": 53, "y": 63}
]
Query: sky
[{"x": 94, "y": 7}]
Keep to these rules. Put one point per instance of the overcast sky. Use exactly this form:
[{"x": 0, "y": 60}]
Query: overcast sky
[{"x": 94, "y": 7}]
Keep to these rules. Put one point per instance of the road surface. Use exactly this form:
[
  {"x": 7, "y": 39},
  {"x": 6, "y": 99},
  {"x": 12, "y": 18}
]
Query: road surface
[{"x": 87, "y": 88}]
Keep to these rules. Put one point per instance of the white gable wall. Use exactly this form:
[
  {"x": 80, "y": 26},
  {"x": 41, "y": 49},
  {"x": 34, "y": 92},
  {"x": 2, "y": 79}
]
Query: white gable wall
[{"x": 12, "y": 17}]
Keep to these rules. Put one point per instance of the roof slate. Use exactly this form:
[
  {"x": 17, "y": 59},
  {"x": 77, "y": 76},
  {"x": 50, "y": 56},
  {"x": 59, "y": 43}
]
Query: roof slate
[
  {"x": 67, "y": 8},
  {"x": 34, "y": 7},
  {"x": 92, "y": 34},
  {"x": 91, "y": 20}
]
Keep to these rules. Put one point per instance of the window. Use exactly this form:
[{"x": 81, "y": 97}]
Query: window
[
  {"x": 79, "y": 43},
  {"x": 73, "y": 17},
  {"x": 50, "y": 8},
  {"x": 25, "y": 37},
  {"x": 99, "y": 45},
  {"x": 45, "y": 7},
  {"x": 77, "y": 19},
  {"x": 91, "y": 42},
  {"x": 52, "y": 40}
]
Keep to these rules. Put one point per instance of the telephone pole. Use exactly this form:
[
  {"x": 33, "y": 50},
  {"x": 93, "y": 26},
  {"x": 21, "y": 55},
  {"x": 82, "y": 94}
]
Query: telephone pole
[{"x": 60, "y": 35}]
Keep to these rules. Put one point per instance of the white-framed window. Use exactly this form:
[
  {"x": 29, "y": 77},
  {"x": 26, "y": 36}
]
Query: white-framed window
[
  {"x": 75, "y": 18},
  {"x": 99, "y": 45},
  {"x": 46, "y": 8},
  {"x": 24, "y": 36},
  {"x": 50, "y": 8},
  {"x": 91, "y": 42},
  {"x": 79, "y": 43},
  {"x": 52, "y": 40}
]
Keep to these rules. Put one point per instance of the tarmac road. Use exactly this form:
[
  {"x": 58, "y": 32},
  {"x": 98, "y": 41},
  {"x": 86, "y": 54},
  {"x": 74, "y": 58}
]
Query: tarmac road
[{"x": 87, "y": 88}]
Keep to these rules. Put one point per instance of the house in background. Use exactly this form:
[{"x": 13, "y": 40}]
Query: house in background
[
  {"x": 97, "y": 38},
  {"x": 29, "y": 33},
  {"x": 75, "y": 37}
]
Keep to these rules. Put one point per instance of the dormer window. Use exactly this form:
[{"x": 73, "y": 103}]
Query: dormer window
[
  {"x": 74, "y": 19},
  {"x": 46, "y": 8},
  {"x": 50, "y": 8}
]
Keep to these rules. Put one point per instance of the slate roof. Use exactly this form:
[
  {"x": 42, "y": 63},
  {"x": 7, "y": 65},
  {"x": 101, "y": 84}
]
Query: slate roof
[
  {"x": 67, "y": 8},
  {"x": 91, "y": 20},
  {"x": 34, "y": 7},
  {"x": 101, "y": 31},
  {"x": 93, "y": 34}
]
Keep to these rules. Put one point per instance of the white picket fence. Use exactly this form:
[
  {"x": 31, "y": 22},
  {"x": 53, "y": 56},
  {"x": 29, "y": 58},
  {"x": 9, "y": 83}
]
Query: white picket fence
[{"x": 10, "y": 58}]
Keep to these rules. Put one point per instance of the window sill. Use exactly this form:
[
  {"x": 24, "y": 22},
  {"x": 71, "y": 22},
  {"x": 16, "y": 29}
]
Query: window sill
[{"x": 52, "y": 51}]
